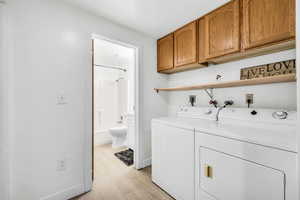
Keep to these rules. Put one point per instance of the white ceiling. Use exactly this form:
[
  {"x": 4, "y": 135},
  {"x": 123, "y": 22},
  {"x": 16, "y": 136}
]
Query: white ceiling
[{"x": 155, "y": 18}]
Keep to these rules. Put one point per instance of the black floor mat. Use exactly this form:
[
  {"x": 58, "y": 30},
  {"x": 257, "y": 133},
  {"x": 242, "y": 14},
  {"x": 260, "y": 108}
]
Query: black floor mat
[{"x": 126, "y": 156}]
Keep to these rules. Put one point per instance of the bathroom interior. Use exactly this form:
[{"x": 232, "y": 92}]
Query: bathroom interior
[{"x": 114, "y": 124}]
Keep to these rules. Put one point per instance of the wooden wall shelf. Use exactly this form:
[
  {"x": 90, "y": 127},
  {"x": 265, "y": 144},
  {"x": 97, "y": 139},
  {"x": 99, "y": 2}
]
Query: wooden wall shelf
[{"x": 239, "y": 83}]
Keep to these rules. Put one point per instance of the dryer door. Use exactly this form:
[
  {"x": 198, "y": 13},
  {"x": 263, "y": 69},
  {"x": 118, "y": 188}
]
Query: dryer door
[{"x": 230, "y": 178}]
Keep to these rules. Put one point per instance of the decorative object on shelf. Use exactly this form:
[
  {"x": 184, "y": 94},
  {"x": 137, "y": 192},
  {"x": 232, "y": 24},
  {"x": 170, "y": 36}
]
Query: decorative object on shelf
[
  {"x": 218, "y": 77},
  {"x": 273, "y": 69}
]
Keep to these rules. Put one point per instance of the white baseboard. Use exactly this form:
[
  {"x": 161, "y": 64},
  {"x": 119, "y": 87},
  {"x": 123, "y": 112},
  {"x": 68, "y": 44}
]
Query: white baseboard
[
  {"x": 147, "y": 162},
  {"x": 66, "y": 194}
]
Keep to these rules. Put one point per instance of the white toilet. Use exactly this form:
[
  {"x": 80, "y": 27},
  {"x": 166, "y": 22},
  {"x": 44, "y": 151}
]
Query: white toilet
[{"x": 118, "y": 135}]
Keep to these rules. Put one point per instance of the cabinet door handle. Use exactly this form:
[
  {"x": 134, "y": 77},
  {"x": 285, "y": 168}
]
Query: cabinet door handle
[{"x": 208, "y": 171}]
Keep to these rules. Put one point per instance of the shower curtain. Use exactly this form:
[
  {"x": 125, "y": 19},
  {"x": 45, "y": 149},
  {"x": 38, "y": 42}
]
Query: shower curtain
[{"x": 122, "y": 87}]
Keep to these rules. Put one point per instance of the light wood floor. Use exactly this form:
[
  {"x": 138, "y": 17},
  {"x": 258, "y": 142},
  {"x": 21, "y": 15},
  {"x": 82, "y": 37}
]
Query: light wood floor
[{"x": 115, "y": 181}]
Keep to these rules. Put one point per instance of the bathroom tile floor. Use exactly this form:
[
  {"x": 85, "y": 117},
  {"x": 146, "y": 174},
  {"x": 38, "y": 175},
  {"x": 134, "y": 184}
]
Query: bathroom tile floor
[{"x": 115, "y": 181}]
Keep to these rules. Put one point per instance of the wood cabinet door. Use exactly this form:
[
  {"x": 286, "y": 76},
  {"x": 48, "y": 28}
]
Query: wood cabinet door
[
  {"x": 223, "y": 30},
  {"x": 267, "y": 21},
  {"x": 185, "y": 45},
  {"x": 201, "y": 40},
  {"x": 165, "y": 53}
]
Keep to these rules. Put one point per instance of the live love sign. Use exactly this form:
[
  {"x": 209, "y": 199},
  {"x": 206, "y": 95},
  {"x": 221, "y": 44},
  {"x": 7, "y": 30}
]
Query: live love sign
[{"x": 273, "y": 69}]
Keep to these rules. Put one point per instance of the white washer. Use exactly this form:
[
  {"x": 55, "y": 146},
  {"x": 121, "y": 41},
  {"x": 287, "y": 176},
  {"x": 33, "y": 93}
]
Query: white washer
[{"x": 173, "y": 152}]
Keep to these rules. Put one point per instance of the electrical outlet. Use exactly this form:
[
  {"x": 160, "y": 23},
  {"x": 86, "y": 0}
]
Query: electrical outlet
[
  {"x": 61, "y": 165},
  {"x": 249, "y": 99}
]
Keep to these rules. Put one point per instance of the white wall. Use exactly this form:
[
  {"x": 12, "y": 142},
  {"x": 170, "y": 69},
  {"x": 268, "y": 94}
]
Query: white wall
[
  {"x": 4, "y": 147},
  {"x": 2, "y": 150},
  {"x": 281, "y": 95},
  {"x": 51, "y": 50}
]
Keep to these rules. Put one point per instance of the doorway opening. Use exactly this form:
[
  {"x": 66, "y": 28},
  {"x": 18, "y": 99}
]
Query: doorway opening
[{"x": 115, "y": 107}]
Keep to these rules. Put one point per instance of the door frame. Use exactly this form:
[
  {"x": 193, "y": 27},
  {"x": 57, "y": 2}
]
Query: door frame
[
  {"x": 88, "y": 155},
  {"x": 298, "y": 86}
]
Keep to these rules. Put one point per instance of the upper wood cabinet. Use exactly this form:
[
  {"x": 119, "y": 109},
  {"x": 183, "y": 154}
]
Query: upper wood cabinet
[
  {"x": 185, "y": 45},
  {"x": 267, "y": 21},
  {"x": 165, "y": 53},
  {"x": 236, "y": 30},
  {"x": 223, "y": 30}
]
